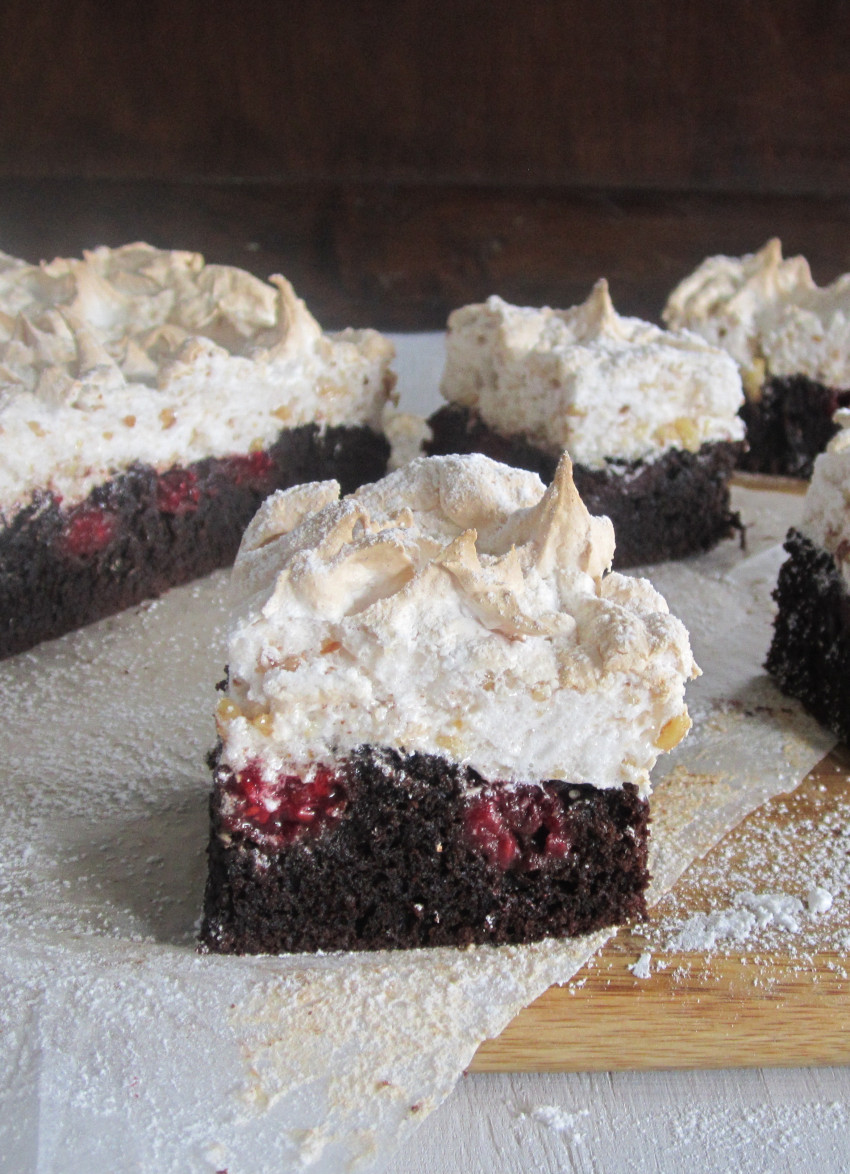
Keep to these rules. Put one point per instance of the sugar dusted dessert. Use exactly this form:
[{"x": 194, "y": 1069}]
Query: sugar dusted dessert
[
  {"x": 810, "y": 652},
  {"x": 440, "y": 718},
  {"x": 649, "y": 417},
  {"x": 148, "y": 404},
  {"x": 791, "y": 338}
]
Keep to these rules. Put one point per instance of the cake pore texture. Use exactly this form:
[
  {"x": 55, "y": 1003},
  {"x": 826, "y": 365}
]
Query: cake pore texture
[
  {"x": 809, "y": 654},
  {"x": 769, "y": 314},
  {"x": 589, "y": 381},
  {"x": 148, "y": 356},
  {"x": 455, "y": 608}
]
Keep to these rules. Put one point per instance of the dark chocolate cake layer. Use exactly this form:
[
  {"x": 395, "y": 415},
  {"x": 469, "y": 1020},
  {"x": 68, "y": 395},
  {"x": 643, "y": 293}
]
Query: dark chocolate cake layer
[
  {"x": 413, "y": 851},
  {"x": 143, "y": 532},
  {"x": 810, "y": 652},
  {"x": 788, "y": 424},
  {"x": 668, "y": 508}
]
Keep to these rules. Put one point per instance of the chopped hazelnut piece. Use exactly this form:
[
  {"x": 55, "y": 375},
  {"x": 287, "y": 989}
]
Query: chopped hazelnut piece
[{"x": 673, "y": 731}]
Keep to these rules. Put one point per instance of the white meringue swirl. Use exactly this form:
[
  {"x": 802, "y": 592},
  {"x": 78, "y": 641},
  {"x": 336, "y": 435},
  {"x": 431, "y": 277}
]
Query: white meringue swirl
[
  {"x": 454, "y": 608},
  {"x": 589, "y": 381},
  {"x": 147, "y": 355}
]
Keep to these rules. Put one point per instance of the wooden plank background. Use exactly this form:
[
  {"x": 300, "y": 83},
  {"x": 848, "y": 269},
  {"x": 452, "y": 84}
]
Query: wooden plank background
[{"x": 396, "y": 159}]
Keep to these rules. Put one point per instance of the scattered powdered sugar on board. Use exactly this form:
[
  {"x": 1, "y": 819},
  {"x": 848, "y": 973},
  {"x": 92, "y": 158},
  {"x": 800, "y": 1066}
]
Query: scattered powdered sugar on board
[
  {"x": 748, "y": 912},
  {"x": 819, "y": 900},
  {"x": 778, "y": 889},
  {"x": 642, "y": 968},
  {"x": 122, "y": 1047}
]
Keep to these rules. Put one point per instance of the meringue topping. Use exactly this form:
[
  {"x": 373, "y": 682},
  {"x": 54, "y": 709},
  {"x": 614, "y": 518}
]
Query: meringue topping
[
  {"x": 769, "y": 314},
  {"x": 147, "y": 355},
  {"x": 601, "y": 386},
  {"x": 459, "y": 608}
]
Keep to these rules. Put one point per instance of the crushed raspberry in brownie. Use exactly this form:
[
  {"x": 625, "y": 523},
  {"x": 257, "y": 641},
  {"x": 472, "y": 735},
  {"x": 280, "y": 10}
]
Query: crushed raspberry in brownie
[
  {"x": 57, "y": 570},
  {"x": 520, "y": 827},
  {"x": 405, "y": 866},
  {"x": 177, "y": 491},
  {"x": 255, "y": 468},
  {"x": 88, "y": 530},
  {"x": 287, "y": 808}
]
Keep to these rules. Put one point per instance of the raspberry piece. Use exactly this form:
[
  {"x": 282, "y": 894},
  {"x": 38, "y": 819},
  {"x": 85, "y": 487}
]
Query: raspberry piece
[
  {"x": 254, "y": 469},
  {"x": 88, "y": 530},
  {"x": 507, "y": 850},
  {"x": 177, "y": 492},
  {"x": 557, "y": 845},
  {"x": 279, "y": 811},
  {"x": 520, "y": 827}
]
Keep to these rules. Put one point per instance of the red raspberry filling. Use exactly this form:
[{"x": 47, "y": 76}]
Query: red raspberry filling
[
  {"x": 88, "y": 529},
  {"x": 280, "y": 811},
  {"x": 520, "y": 827},
  {"x": 253, "y": 469},
  {"x": 177, "y": 492}
]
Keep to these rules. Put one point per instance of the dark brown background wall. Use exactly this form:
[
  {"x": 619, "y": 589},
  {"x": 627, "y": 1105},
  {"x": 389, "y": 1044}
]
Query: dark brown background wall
[{"x": 396, "y": 158}]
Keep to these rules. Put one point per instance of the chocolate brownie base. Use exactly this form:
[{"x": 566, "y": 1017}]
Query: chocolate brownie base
[
  {"x": 788, "y": 424},
  {"x": 810, "y": 652},
  {"x": 674, "y": 506},
  {"x": 142, "y": 532},
  {"x": 412, "y": 857}
]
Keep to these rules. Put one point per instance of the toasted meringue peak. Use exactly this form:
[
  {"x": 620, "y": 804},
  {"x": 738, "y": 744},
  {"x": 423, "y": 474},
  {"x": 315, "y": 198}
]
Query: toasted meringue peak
[
  {"x": 597, "y": 316},
  {"x": 559, "y": 529},
  {"x": 589, "y": 381},
  {"x": 130, "y": 333},
  {"x": 469, "y": 611},
  {"x": 769, "y": 314}
]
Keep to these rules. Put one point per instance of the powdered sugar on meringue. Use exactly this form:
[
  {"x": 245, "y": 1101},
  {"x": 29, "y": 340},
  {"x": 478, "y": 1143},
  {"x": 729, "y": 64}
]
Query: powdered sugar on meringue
[
  {"x": 769, "y": 314},
  {"x": 589, "y": 381},
  {"x": 147, "y": 355},
  {"x": 457, "y": 609}
]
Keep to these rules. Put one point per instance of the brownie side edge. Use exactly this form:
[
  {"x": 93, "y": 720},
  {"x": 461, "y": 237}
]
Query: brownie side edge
[
  {"x": 809, "y": 655},
  {"x": 788, "y": 424},
  {"x": 399, "y": 870},
  {"x": 148, "y": 531}
]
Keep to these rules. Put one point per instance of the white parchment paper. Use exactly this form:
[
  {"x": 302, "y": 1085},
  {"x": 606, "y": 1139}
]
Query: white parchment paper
[{"x": 121, "y": 1049}]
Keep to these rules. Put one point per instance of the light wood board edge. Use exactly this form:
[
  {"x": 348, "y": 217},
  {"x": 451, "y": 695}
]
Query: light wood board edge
[
  {"x": 617, "y": 1022},
  {"x": 769, "y": 482}
]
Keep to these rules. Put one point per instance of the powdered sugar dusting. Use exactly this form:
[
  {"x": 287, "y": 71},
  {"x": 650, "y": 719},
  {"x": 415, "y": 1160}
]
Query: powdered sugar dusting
[
  {"x": 642, "y": 968},
  {"x": 779, "y": 890},
  {"x": 779, "y": 1131},
  {"x": 748, "y": 912},
  {"x": 819, "y": 900}
]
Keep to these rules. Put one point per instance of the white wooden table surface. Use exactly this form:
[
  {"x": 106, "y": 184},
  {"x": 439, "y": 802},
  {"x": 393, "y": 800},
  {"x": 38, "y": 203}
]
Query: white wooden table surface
[{"x": 749, "y": 1121}]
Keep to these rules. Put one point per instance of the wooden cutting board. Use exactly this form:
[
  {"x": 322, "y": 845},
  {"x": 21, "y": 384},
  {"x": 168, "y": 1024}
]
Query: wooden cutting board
[{"x": 740, "y": 1004}]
